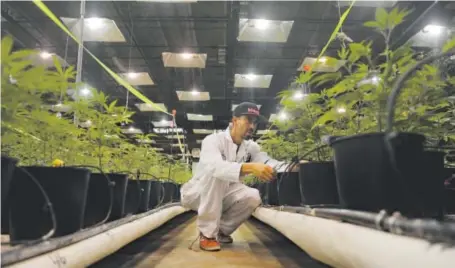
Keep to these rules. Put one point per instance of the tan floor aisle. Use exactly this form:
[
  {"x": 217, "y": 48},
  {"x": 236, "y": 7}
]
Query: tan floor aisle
[{"x": 255, "y": 245}]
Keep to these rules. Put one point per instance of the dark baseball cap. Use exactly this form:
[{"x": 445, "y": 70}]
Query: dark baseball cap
[{"x": 248, "y": 108}]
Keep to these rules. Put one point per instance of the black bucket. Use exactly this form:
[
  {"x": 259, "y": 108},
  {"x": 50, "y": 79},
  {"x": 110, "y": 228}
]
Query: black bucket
[
  {"x": 121, "y": 184},
  {"x": 366, "y": 178},
  {"x": 133, "y": 196},
  {"x": 449, "y": 190},
  {"x": 169, "y": 189},
  {"x": 428, "y": 189},
  {"x": 156, "y": 194},
  {"x": 67, "y": 190},
  {"x": 272, "y": 193},
  {"x": 262, "y": 188},
  {"x": 145, "y": 196},
  {"x": 318, "y": 183},
  {"x": 176, "y": 197},
  {"x": 100, "y": 200},
  {"x": 289, "y": 189},
  {"x": 8, "y": 165}
]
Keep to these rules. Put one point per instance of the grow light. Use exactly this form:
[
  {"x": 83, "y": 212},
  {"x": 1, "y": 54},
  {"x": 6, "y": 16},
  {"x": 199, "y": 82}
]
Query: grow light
[
  {"x": 158, "y": 149},
  {"x": 95, "y": 29},
  {"x": 199, "y": 117},
  {"x": 384, "y": 4},
  {"x": 235, "y": 105},
  {"x": 298, "y": 95},
  {"x": 132, "y": 130},
  {"x": 178, "y": 145},
  {"x": 265, "y": 131},
  {"x": 163, "y": 123},
  {"x": 175, "y": 137},
  {"x": 341, "y": 110},
  {"x": 430, "y": 36},
  {"x": 328, "y": 64},
  {"x": 193, "y": 95},
  {"x": 138, "y": 79},
  {"x": 146, "y": 141},
  {"x": 203, "y": 131},
  {"x": 184, "y": 60},
  {"x": 199, "y": 141},
  {"x": 260, "y": 30},
  {"x": 46, "y": 59},
  {"x": 147, "y": 107},
  {"x": 252, "y": 80},
  {"x": 283, "y": 116},
  {"x": 168, "y": 130}
]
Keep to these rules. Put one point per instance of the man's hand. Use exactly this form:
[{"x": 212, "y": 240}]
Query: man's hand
[{"x": 259, "y": 170}]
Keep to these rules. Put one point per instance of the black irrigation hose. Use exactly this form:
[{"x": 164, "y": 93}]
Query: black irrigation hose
[
  {"x": 110, "y": 185},
  {"x": 51, "y": 211},
  {"x": 428, "y": 229}
]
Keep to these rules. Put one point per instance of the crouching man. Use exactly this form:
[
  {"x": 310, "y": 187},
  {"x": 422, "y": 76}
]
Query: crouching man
[{"x": 216, "y": 190}]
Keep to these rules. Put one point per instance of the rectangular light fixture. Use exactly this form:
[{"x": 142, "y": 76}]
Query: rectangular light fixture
[
  {"x": 146, "y": 141},
  {"x": 325, "y": 64},
  {"x": 138, "y": 79},
  {"x": 235, "y": 105},
  {"x": 184, "y": 60},
  {"x": 265, "y": 131},
  {"x": 162, "y": 123},
  {"x": 146, "y": 107},
  {"x": 203, "y": 131},
  {"x": 158, "y": 149},
  {"x": 193, "y": 95},
  {"x": 199, "y": 117},
  {"x": 175, "y": 137},
  {"x": 378, "y": 3},
  {"x": 258, "y": 30},
  {"x": 253, "y": 80},
  {"x": 167, "y": 130},
  {"x": 429, "y": 37},
  {"x": 178, "y": 145},
  {"x": 95, "y": 29},
  {"x": 199, "y": 141},
  {"x": 46, "y": 59},
  {"x": 132, "y": 130}
]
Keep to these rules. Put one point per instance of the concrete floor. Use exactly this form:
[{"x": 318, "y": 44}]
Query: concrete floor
[{"x": 255, "y": 245}]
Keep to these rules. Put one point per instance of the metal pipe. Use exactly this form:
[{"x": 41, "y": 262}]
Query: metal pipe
[
  {"x": 89, "y": 246},
  {"x": 80, "y": 49},
  {"x": 345, "y": 245}
]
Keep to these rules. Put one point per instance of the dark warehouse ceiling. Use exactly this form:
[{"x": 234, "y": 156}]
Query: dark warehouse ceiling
[{"x": 228, "y": 38}]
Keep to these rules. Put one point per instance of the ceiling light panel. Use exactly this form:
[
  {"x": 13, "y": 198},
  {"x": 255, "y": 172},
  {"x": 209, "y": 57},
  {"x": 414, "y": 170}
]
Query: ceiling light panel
[
  {"x": 96, "y": 29},
  {"x": 158, "y": 149},
  {"x": 184, "y": 60},
  {"x": 146, "y": 107},
  {"x": 384, "y": 4},
  {"x": 46, "y": 59},
  {"x": 325, "y": 65},
  {"x": 132, "y": 130},
  {"x": 176, "y": 137},
  {"x": 258, "y": 30},
  {"x": 178, "y": 145},
  {"x": 138, "y": 79},
  {"x": 203, "y": 131},
  {"x": 235, "y": 105},
  {"x": 162, "y": 123},
  {"x": 253, "y": 81},
  {"x": 193, "y": 95},
  {"x": 265, "y": 131},
  {"x": 431, "y": 36},
  {"x": 146, "y": 141},
  {"x": 199, "y": 117}
]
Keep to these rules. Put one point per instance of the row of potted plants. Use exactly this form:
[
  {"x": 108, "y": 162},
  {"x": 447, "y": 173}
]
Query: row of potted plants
[
  {"x": 366, "y": 167},
  {"x": 106, "y": 174}
]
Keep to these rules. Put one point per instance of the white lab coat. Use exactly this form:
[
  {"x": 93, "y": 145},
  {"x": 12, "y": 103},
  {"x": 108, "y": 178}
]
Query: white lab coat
[{"x": 216, "y": 191}]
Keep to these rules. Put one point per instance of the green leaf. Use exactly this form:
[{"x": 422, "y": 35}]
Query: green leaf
[
  {"x": 450, "y": 44},
  {"x": 373, "y": 24},
  {"x": 57, "y": 65},
  {"x": 7, "y": 46},
  {"x": 381, "y": 17},
  {"x": 324, "y": 78}
]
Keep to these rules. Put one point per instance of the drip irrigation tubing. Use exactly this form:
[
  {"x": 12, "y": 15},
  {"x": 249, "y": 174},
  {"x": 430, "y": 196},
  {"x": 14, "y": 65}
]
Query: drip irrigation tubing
[{"x": 428, "y": 229}]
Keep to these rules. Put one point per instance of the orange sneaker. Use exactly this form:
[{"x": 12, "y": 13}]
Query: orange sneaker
[{"x": 208, "y": 244}]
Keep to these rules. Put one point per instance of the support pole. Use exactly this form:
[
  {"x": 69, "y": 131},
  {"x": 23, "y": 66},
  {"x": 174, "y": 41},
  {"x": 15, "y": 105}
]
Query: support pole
[{"x": 80, "y": 53}]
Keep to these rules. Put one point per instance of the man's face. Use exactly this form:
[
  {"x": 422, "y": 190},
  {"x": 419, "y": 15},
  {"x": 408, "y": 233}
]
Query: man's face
[{"x": 244, "y": 126}]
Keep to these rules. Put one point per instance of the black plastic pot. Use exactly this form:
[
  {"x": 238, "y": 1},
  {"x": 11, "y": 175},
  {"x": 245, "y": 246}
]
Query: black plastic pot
[
  {"x": 118, "y": 206},
  {"x": 100, "y": 200},
  {"x": 8, "y": 165},
  {"x": 449, "y": 190},
  {"x": 169, "y": 189},
  {"x": 262, "y": 188},
  {"x": 428, "y": 188},
  {"x": 156, "y": 194},
  {"x": 366, "y": 178},
  {"x": 318, "y": 183},
  {"x": 272, "y": 193},
  {"x": 176, "y": 196},
  {"x": 133, "y": 197},
  {"x": 289, "y": 189},
  {"x": 67, "y": 190},
  {"x": 145, "y": 196}
]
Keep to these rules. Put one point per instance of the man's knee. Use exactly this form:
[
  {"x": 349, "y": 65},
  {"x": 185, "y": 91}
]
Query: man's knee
[{"x": 254, "y": 198}]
